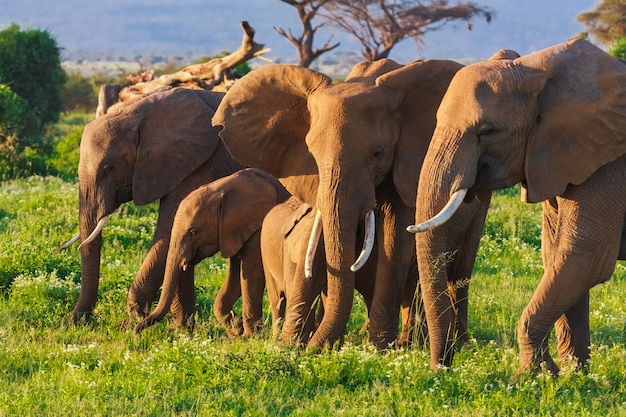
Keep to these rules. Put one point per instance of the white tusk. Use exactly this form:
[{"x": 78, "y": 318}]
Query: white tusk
[
  {"x": 368, "y": 241},
  {"x": 443, "y": 216},
  {"x": 316, "y": 231},
  {"x": 95, "y": 232},
  {"x": 185, "y": 268},
  {"x": 69, "y": 243}
]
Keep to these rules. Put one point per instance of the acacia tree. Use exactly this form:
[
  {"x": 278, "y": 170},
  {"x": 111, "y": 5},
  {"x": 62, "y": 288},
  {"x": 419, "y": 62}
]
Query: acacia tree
[
  {"x": 379, "y": 25},
  {"x": 307, "y": 11},
  {"x": 606, "y": 22}
]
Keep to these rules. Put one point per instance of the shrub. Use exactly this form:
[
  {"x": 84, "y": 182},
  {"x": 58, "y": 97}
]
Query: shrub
[{"x": 618, "y": 48}]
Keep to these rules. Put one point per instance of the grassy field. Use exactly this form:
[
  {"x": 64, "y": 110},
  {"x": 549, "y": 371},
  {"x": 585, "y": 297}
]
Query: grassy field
[{"x": 49, "y": 369}]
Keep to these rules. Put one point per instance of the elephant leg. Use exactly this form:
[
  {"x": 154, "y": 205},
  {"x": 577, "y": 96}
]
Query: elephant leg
[
  {"x": 303, "y": 296},
  {"x": 583, "y": 232},
  {"x": 572, "y": 333},
  {"x": 252, "y": 285},
  {"x": 412, "y": 329},
  {"x": 365, "y": 279},
  {"x": 572, "y": 328},
  {"x": 229, "y": 293},
  {"x": 396, "y": 253},
  {"x": 149, "y": 278},
  {"x": 461, "y": 269}
]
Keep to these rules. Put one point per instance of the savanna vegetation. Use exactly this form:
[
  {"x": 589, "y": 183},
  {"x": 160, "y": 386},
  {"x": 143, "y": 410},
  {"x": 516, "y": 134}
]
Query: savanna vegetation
[{"x": 48, "y": 368}]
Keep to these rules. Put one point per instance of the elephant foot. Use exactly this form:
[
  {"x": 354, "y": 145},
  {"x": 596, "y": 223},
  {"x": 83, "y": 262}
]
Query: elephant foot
[
  {"x": 252, "y": 327},
  {"x": 233, "y": 324},
  {"x": 184, "y": 322},
  {"x": 462, "y": 340},
  {"x": 534, "y": 352},
  {"x": 79, "y": 318}
]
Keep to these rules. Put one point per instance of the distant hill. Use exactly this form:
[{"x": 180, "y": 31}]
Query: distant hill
[{"x": 199, "y": 27}]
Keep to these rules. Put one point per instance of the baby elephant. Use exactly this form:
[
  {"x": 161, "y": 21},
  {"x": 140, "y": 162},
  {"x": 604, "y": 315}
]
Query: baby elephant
[
  {"x": 226, "y": 216},
  {"x": 293, "y": 297}
]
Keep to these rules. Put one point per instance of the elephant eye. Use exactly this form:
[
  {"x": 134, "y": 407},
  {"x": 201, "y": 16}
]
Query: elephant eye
[
  {"x": 378, "y": 152},
  {"x": 484, "y": 132},
  {"x": 107, "y": 169}
]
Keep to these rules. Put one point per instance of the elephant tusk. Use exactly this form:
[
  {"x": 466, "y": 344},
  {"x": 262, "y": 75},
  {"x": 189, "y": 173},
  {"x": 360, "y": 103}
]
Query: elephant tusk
[
  {"x": 368, "y": 241},
  {"x": 95, "y": 232},
  {"x": 316, "y": 232},
  {"x": 185, "y": 266},
  {"x": 443, "y": 216},
  {"x": 70, "y": 242}
]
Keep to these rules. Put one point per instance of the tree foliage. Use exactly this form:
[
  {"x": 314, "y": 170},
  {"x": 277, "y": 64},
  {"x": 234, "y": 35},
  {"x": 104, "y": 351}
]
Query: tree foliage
[
  {"x": 618, "y": 48},
  {"x": 606, "y": 22},
  {"x": 30, "y": 70},
  {"x": 30, "y": 65},
  {"x": 379, "y": 25},
  {"x": 307, "y": 11}
]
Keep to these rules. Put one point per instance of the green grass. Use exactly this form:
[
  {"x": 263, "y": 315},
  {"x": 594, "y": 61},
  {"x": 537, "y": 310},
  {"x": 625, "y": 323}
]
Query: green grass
[{"x": 47, "y": 368}]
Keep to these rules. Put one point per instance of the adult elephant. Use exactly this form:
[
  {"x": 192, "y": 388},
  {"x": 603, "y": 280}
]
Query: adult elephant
[
  {"x": 160, "y": 147},
  {"x": 554, "y": 120},
  {"x": 225, "y": 216},
  {"x": 346, "y": 149}
]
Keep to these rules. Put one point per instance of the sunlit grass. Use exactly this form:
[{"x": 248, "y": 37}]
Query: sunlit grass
[{"x": 47, "y": 368}]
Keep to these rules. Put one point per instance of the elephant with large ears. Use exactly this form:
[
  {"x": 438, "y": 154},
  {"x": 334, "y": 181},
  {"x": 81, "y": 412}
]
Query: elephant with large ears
[
  {"x": 347, "y": 149},
  {"x": 160, "y": 147},
  {"x": 225, "y": 216},
  {"x": 554, "y": 120}
]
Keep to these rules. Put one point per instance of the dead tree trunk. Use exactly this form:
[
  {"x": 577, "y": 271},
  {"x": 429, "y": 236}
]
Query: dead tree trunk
[{"x": 217, "y": 74}]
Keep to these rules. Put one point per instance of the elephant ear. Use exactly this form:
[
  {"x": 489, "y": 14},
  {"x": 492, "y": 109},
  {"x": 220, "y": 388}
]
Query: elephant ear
[
  {"x": 300, "y": 210},
  {"x": 372, "y": 69},
  {"x": 507, "y": 54},
  {"x": 582, "y": 117},
  {"x": 424, "y": 83},
  {"x": 265, "y": 119},
  {"x": 174, "y": 137},
  {"x": 247, "y": 197}
]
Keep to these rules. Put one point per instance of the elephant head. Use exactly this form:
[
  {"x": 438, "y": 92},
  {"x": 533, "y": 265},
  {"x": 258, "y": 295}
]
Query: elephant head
[
  {"x": 221, "y": 216},
  {"x": 141, "y": 152},
  {"x": 334, "y": 145},
  {"x": 549, "y": 120}
]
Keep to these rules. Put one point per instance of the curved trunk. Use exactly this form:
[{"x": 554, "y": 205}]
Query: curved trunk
[
  {"x": 340, "y": 242},
  {"x": 173, "y": 272},
  {"x": 433, "y": 251}
]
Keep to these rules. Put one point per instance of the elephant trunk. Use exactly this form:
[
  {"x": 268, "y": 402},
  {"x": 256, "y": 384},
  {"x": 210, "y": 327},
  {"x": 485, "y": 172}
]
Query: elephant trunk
[
  {"x": 173, "y": 271},
  {"x": 340, "y": 214},
  {"x": 438, "y": 182},
  {"x": 90, "y": 259}
]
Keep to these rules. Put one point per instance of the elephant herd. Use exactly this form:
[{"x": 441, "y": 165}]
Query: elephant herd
[{"x": 311, "y": 188}]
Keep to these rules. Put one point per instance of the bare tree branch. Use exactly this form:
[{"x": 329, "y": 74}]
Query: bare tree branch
[
  {"x": 379, "y": 25},
  {"x": 217, "y": 74},
  {"x": 307, "y": 11}
]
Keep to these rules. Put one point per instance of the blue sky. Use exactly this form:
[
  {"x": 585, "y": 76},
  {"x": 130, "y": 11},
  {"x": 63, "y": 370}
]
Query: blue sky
[{"x": 201, "y": 25}]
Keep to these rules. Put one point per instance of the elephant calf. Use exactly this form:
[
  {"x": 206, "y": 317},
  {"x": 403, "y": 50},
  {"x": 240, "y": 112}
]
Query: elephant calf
[
  {"x": 226, "y": 216},
  {"x": 292, "y": 296}
]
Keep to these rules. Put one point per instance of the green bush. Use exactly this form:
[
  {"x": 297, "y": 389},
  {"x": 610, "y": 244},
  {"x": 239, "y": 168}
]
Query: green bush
[
  {"x": 30, "y": 64},
  {"x": 65, "y": 157},
  {"x": 618, "y": 48}
]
